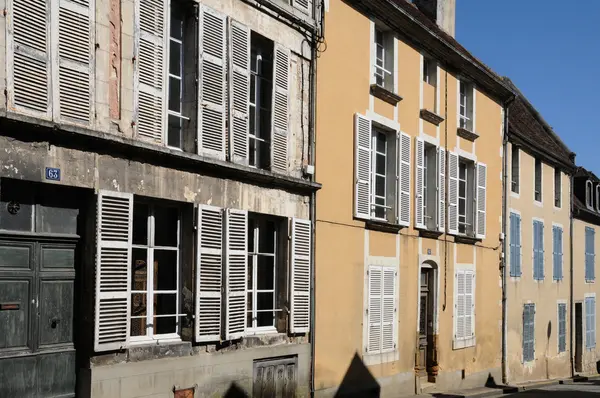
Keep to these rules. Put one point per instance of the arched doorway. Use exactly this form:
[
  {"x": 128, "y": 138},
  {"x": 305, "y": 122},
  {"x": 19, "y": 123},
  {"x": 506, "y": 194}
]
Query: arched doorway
[{"x": 427, "y": 358}]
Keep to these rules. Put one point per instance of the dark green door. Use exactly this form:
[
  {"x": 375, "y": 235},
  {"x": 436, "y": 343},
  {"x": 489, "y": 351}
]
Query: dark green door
[{"x": 37, "y": 290}]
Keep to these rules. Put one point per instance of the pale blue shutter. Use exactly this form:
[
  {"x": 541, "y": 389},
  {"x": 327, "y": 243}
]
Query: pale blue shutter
[
  {"x": 562, "y": 327},
  {"x": 590, "y": 322},
  {"x": 557, "y": 252},
  {"x": 590, "y": 254},
  {"x": 528, "y": 332},
  {"x": 515, "y": 245},
  {"x": 538, "y": 250}
]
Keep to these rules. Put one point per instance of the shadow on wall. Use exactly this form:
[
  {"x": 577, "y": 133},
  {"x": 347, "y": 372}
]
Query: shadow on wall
[
  {"x": 358, "y": 381},
  {"x": 235, "y": 391}
]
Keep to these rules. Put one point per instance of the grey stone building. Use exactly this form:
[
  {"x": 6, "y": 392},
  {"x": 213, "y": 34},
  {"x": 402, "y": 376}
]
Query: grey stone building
[{"x": 156, "y": 197}]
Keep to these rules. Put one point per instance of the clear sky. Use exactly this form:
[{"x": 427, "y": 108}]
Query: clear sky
[{"x": 550, "y": 49}]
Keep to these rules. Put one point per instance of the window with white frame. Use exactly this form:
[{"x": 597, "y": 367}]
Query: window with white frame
[
  {"x": 430, "y": 187},
  {"x": 598, "y": 198},
  {"x": 465, "y": 105},
  {"x": 384, "y": 58},
  {"x": 155, "y": 272},
  {"x": 537, "y": 186},
  {"x": 381, "y": 179},
  {"x": 590, "y": 323},
  {"x": 464, "y": 308},
  {"x": 430, "y": 71},
  {"x": 466, "y": 181},
  {"x": 589, "y": 195},
  {"x": 515, "y": 163},
  {"x": 557, "y": 188}
]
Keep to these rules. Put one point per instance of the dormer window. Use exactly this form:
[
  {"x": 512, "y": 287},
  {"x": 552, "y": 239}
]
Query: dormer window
[
  {"x": 589, "y": 200},
  {"x": 598, "y": 198}
]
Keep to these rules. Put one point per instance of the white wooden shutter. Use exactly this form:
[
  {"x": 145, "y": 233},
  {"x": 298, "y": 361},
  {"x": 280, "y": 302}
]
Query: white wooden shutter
[
  {"x": 404, "y": 175},
  {"x": 76, "y": 27},
  {"x": 452, "y": 193},
  {"x": 459, "y": 305},
  {"x": 113, "y": 270},
  {"x": 441, "y": 184},
  {"x": 388, "y": 310},
  {"x": 28, "y": 57},
  {"x": 300, "y": 294},
  {"x": 303, "y": 5},
  {"x": 481, "y": 200},
  {"x": 236, "y": 259},
  {"x": 150, "y": 72},
  {"x": 469, "y": 304},
  {"x": 212, "y": 101},
  {"x": 374, "y": 315},
  {"x": 280, "y": 113},
  {"x": 362, "y": 166},
  {"x": 419, "y": 182},
  {"x": 239, "y": 91},
  {"x": 209, "y": 272}
]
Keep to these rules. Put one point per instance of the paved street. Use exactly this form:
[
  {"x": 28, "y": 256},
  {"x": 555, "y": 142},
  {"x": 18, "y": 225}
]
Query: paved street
[{"x": 583, "y": 390}]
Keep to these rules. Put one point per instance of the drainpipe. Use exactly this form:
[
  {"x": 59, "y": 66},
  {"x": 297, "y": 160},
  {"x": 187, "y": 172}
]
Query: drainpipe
[{"x": 571, "y": 294}]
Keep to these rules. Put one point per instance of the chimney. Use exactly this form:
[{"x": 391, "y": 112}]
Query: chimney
[{"x": 442, "y": 12}]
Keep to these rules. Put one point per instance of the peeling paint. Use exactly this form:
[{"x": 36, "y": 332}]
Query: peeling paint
[{"x": 189, "y": 195}]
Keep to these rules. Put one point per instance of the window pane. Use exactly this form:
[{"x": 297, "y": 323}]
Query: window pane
[
  {"x": 380, "y": 164},
  {"x": 174, "y": 94},
  {"x": 176, "y": 23},
  {"x": 463, "y": 171},
  {"x": 165, "y": 304},
  {"x": 265, "y": 273},
  {"x": 165, "y": 226},
  {"x": 250, "y": 302},
  {"x": 380, "y": 186},
  {"x": 462, "y": 206},
  {"x": 266, "y": 91},
  {"x": 266, "y": 237},
  {"x": 264, "y": 126},
  {"x": 265, "y": 302},
  {"x": 462, "y": 186},
  {"x": 138, "y": 308},
  {"x": 175, "y": 58},
  {"x": 249, "y": 319},
  {"x": 265, "y": 319},
  {"x": 250, "y": 272},
  {"x": 381, "y": 139},
  {"x": 251, "y": 227},
  {"x": 16, "y": 208},
  {"x": 139, "y": 272},
  {"x": 174, "y": 135},
  {"x": 140, "y": 224},
  {"x": 165, "y": 270}
]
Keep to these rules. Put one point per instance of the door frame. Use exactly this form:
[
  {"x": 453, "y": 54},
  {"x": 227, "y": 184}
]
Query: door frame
[
  {"x": 578, "y": 336},
  {"x": 428, "y": 368}
]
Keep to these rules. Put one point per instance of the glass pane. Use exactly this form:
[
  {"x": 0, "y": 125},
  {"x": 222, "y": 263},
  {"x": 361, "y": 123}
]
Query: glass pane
[
  {"x": 175, "y": 58},
  {"x": 265, "y": 301},
  {"x": 379, "y": 80},
  {"x": 253, "y": 88},
  {"x": 380, "y": 164},
  {"x": 380, "y": 186},
  {"x": 250, "y": 302},
  {"x": 252, "y": 152},
  {"x": 265, "y": 93},
  {"x": 165, "y": 270},
  {"x": 176, "y": 22},
  {"x": 266, "y": 237},
  {"x": 265, "y": 319},
  {"x": 462, "y": 206},
  {"x": 264, "y": 126},
  {"x": 16, "y": 208},
  {"x": 140, "y": 224},
  {"x": 252, "y": 120},
  {"x": 463, "y": 171},
  {"x": 250, "y": 273},
  {"x": 165, "y": 226},
  {"x": 174, "y": 94},
  {"x": 265, "y": 273},
  {"x": 253, "y": 56},
  {"x": 462, "y": 188},
  {"x": 139, "y": 271},
  {"x": 381, "y": 142},
  {"x": 165, "y": 304},
  {"x": 379, "y": 55},
  {"x": 174, "y": 135},
  {"x": 249, "y": 320},
  {"x": 138, "y": 308},
  {"x": 251, "y": 226}
]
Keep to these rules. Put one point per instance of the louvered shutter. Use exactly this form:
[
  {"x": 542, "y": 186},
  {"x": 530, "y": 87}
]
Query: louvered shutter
[
  {"x": 419, "y": 182},
  {"x": 236, "y": 259},
  {"x": 300, "y": 300},
  {"x": 113, "y": 270},
  {"x": 76, "y": 27},
  {"x": 515, "y": 245},
  {"x": 469, "y": 304},
  {"x": 481, "y": 200},
  {"x": 389, "y": 310},
  {"x": 593, "y": 320},
  {"x": 209, "y": 271},
  {"x": 374, "y": 311},
  {"x": 452, "y": 193},
  {"x": 441, "y": 185},
  {"x": 303, "y": 5},
  {"x": 528, "y": 332},
  {"x": 562, "y": 327},
  {"x": 362, "y": 166},
  {"x": 150, "y": 71},
  {"x": 239, "y": 91},
  {"x": 557, "y": 252},
  {"x": 404, "y": 176},
  {"x": 280, "y": 113},
  {"x": 590, "y": 254},
  {"x": 459, "y": 305},
  {"x": 212, "y": 101},
  {"x": 538, "y": 250},
  {"x": 28, "y": 57}
]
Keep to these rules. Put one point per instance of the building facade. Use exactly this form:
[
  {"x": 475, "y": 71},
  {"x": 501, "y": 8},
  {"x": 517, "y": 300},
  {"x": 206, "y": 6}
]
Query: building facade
[
  {"x": 538, "y": 236},
  {"x": 156, "y": 197},
  {"x": 408, "y": 224}
]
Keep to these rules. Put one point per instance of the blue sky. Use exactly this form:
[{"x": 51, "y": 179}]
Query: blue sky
[{"x": 551, "y": 51}]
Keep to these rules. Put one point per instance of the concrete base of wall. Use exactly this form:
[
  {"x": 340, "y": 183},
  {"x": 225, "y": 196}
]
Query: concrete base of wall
[
  {"x": 449, "y": 381},
  {"x": 392, "y": 386}
]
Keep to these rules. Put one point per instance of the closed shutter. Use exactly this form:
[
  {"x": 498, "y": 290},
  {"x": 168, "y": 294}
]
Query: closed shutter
[
  {"x": 374, "y": 310},
  {"x": 388, "y": 310},
  {"x": 303, "y": 5},
  {"x": 280, "y": 114},
  {"x": 459, "y": 305},
  {"x": 515, "y": 245},
  {"x": 212, "y": 101},
  {"x": 562, "y": 327},
  {"x": 590, "y": 254},
  {"x": 469, "y": 304},
  {"x": 76, "y": 51},
  {"x": 28, "y": 57},
  {"x": 593, "y": 320},
  {"x": 441, "y": 184},
  {"x": 590, "y": 322},
  {"x": 538, "y": 250},
  {"x": 419, "y": 182},
  {"x": 113, "y": 270},
  {"x": 453, "y": 193},
  {"x": 150, "y": 71},
  {"x": 404, "y": 175},
  {"x": 239, "y": 91},
  {"x": 557, "y": 252},
  {"x": 528, "y": 332},
  {"x": 300, "y": 297},
  {"x": 362, "y": 166},
  {"x": 236, "y": 259},
  {"x": 209, "y": 273},
  {"x": 481, "y": 200}
]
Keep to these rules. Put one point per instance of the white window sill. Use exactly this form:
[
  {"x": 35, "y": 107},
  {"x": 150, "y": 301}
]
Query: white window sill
[
  {"x": 590, "y": 281},
  {"x": 378, "y": 358},
  {"x": 261, "y": 331},
  {"x": 515, "y": 195},
  {"x": 156, "y": 340},
  {"x": 538, "y": 203},
  {"x": 458, "y": 344}
]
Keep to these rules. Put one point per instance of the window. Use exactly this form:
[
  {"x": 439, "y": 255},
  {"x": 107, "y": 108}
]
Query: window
[
  {"x": 464, "y": 308},
  {"x": 466, "y": 177},
  {"x": 430, "y": 199},
  {"x": 384, "y": 59},
  {"x": 557, "y": 252},
  {"x": 528, "y": 332},
  {"x": 590, "y": 323},
  {"x": 465, "y": 106},
  {"x": 590, "y": 254},
  {"x": 176, "y": 58},
  {"x": 515, "y": 245},
  {"x": 598, "y": 198},
  {"x": 557, "y": 188},
  {"x": 382, "y": 312},
  {"x": 515, "y": 161},
  {"x": 155, "y": 272},
  {"x": 538, "y": 180},
  {"x": 380, "y": 180},
  {"x": 538, "y": 250},
  {"x": 430, "y": 71},
  {"x": 562, "y": 327},
  {"x": 589, "y": 195}
]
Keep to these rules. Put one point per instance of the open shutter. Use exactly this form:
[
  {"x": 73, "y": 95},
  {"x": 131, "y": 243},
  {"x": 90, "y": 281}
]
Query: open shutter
[
  {"x": 239, "y": 91},
  {"x": 303, "y": 5},
  {"x": 592, "y": 254},
  {"x": 76, "y": 51},
  {"x": 374, "y": 311},
  {"x": 113, "y": 270},
  {"x": 362, "y": 166},
  {"x": 453, "y": 193},
  {"x": 150, "y": 72},
  {"x": 389, "y": 310},
  {"x": 300, "y": 300},
  {"x": 481, "y": 200},
  {"x": 280, "y": 114},
  {"x": 459, "y": 305},
  {"x": 419, "y": 182},
  {"x": 441, "y": 185},
  {"x": 404, "y": 176},
  {"x": 236, "y": 258},
  {"x": 469, "y": 304},
  {"x": 28, "y": 57},
  {"x": 209, "y": 271},
  {"x": 212, "y": 102}
]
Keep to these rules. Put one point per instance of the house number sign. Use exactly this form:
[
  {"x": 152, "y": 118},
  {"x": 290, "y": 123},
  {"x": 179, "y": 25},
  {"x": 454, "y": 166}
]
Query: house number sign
[{"x": 52, "y": 174}]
